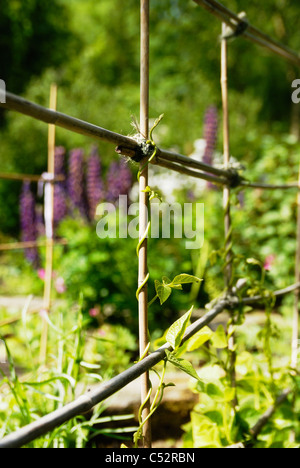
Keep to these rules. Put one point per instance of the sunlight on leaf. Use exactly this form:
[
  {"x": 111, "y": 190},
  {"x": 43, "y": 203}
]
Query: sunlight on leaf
[
  {"x": 201, "y": 337},
  {"x": 177, "y": 330},
  {"x": 162, "y": 291},
  {"x": 182, "y": 364},
  {"x": 219, "y": 338}
]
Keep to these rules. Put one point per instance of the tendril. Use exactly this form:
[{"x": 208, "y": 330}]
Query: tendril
[{"x": 144, "y": 236}]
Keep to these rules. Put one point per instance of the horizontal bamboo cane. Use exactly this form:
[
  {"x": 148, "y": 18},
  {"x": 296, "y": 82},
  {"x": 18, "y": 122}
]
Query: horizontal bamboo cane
[
  {"x": 252, "y": 33},
  {"x": 265, "y": 418},
  {"x": 30, "y": 177},
  {"x": 127, "y": 146},
  {"x": 59, "y": 119},
  {"x": 279, "y": 293},
  {"x": 29, "y": 244},
  {"x": 258, "y": 427},
  {"x": 190, "y": 162},
  {"x": 246, "y": 184},
  {"x": 190, "y": 172}
]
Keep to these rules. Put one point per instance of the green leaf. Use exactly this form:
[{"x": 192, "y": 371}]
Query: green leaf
[
  {"x": 171, "y": 384},
  {"x": 229, "y": 394},
  {"x": 162, "y": 291},
  {"x": 253, "y": 261},
  {"x": 88, "y": 365},
  {"x": 184, "y": 279},
  {"x": 219, "y": 339},
  {"x": 201, "y": 337},
  {"x": 61, "y": 377},
  {"x": 177, "y": 330},
  {"x": 166, "y": 280},
  {"x": 205, "y": 431},
  {"x": 182, "y": 364}
]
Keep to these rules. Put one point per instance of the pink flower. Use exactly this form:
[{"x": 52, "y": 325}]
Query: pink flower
[
  {"x": 60, "y": 285},
  {"x": 42, "y": 274},
  {"x": 269, "y": 261},
  {"x": 94, "y": 312}
]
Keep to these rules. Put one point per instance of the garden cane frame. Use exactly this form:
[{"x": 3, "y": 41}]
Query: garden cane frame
[{"x": 226, "y": 178}]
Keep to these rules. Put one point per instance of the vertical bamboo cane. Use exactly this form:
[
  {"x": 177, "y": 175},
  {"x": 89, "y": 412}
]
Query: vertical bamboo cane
[
  {"x": 226, "y": 204},
  {"x": 295, "y": 320},
  {"x": 49, "y": 240},
  {"x": 295, "y": 324},
  {"x": 143, "y": 213}
]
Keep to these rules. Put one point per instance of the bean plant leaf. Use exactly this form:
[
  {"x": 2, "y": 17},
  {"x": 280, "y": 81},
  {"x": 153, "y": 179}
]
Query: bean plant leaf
[
  {"x": 177, "y": 330},
  {"x": 184, "y": 278},
  {"x": 182, "y": 364},
  {"x": 201, "y": 337},
  {"x": 253, "y": 261},
  {"x": 163, "y": 291},
  {"x": 166, "y": 280},
  {"x": 219, "y": 338}
]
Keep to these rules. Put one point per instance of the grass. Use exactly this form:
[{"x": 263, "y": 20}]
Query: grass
[{"x": 78, "y": 357}]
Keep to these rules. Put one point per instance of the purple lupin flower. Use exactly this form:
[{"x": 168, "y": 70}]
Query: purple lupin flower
[
  {"x": 59, "y": 160},
  {"x": 113, "y": 182},
  {"x": 28, "y": 222},
  {"x": 119, "y": 180},
  {"x": 210, "y": 134},
  {"x": 60, "y": 193},
  {"x": 76, "y": 181},
  {"x": 94, "y": 183},
  {"x": 40, "y": 220},
  {"x": 126, "y": 178}
]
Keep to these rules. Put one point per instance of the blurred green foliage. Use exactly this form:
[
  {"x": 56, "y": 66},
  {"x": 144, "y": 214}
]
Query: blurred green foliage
[
  {"x": 92, "y": 52},
  {"x": 94, "y": 58}
]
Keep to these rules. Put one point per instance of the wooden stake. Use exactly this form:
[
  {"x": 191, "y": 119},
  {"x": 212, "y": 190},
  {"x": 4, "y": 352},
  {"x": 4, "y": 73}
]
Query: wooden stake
[
  {"x": 143, "y": 214},
  {"x": 226, "y": 206},
  {"x": 226, "y": 157},
  {"x": 295, "y": 325},
  {"x": 295, "y": 320},
  {"x": 49, "y": 240}
]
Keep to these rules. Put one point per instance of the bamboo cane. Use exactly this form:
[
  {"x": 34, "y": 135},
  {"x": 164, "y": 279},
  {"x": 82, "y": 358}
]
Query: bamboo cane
[
  {"x": 143, "y": 216},
  {"x": 251, "y": 33},
  {"x": 227, "y": 210},
  {"x": 29, "y": 245},
  {"x": 295, "y": 322},
  {"x": 295, "y": 319},
  {"x": 29, "y": 177},
  {"x": 127, "y": 146},
  {"x": 49, "y": 241}
]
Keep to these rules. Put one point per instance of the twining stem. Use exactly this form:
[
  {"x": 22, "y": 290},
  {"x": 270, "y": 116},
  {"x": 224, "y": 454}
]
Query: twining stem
[
  {"x": 155, "y": 404},
  {"x": 152, "y": 300}
]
